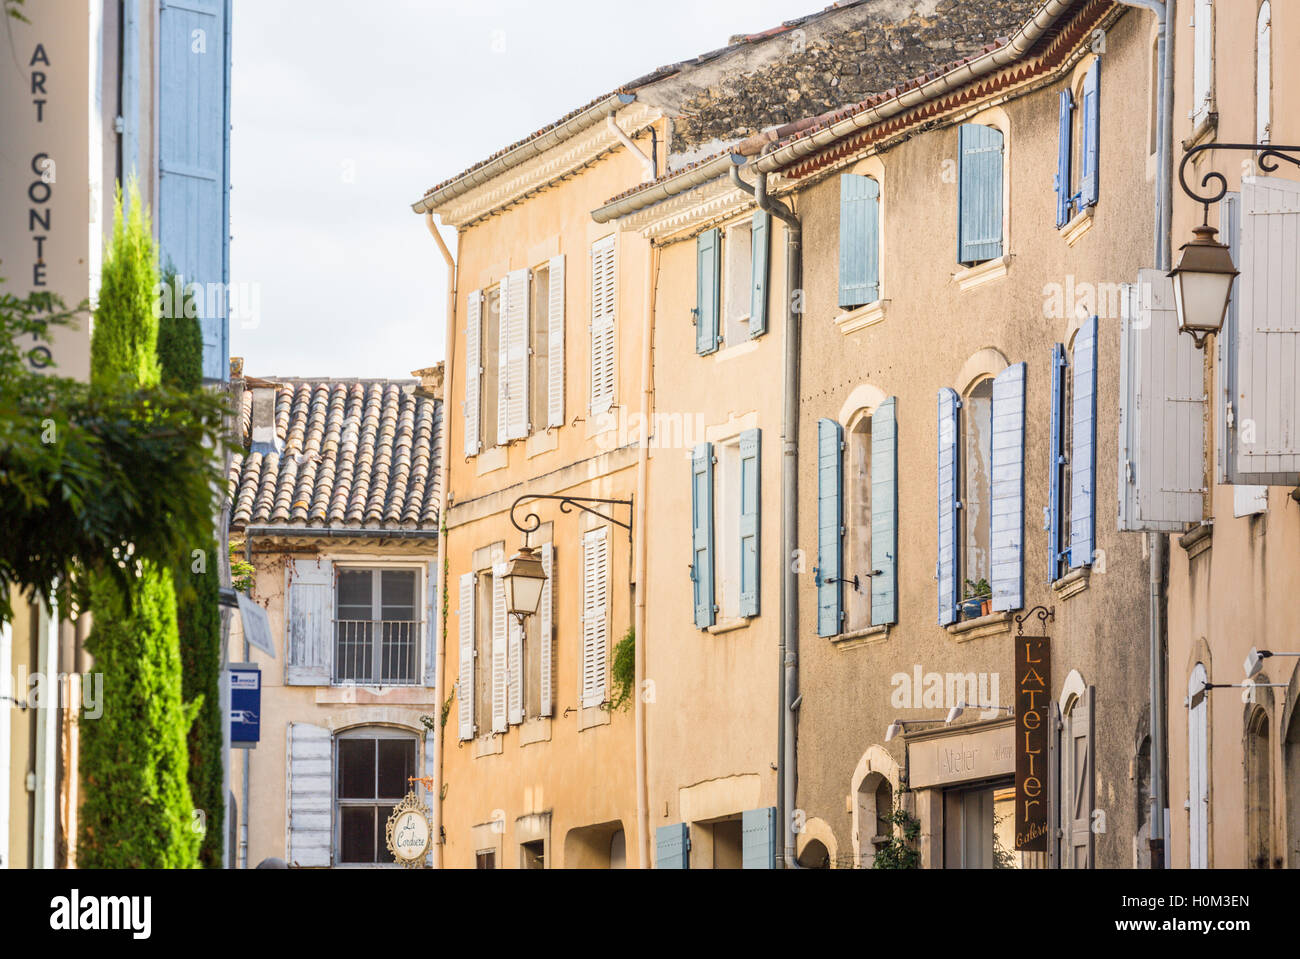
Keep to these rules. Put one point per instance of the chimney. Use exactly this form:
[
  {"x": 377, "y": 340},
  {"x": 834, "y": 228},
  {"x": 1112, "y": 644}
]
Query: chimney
[{"x": 263, "y": 436}]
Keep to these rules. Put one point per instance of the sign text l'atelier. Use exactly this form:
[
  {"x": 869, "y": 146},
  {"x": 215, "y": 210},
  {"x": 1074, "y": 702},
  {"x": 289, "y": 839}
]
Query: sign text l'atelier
[{"x": 1033, "y": 695}]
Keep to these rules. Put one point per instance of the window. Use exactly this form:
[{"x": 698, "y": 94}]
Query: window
[
  {"x": 859, "y": 241},
  {"x": 979, "y": 188},
  {"x": 976, "y": 459},
  {"x": 376, "y": 626},
  {"x": 604, "y": 309},
  {"x": 875, "y": 825},
  {"x": 978, "y": 828},
  {"x": 532, "y": 855},
  {"x": 489, "y": 642},
  {"x": 1077, "y": 172},
  {"x": 1203, "y": 62},
  {"x": 485, "y": 859},
  {"x": 1263, "y": 74},
  {"x": 738, "y": 250},
  {"x": 731, "y": 267},
  {"x": 857, "y": 488},
  {"x": 372, "y": 768},
  {"x": 539, "y": 347},
  {"x": 725, "y": 497}
]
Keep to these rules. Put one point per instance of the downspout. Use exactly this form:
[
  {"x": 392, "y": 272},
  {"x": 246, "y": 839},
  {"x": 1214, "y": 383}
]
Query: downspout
[
  {"x": 440, "y": 647},
  {"x": 647, "y": 162},
  {"x": 788, "y": 682}
]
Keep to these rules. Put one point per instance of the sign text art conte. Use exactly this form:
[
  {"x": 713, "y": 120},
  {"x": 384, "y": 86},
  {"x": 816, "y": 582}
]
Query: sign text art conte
[{"x": 1033, "y": 695}]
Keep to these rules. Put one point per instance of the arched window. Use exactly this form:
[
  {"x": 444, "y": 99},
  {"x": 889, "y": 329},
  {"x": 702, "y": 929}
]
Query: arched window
[
  {"x": 1259, "y": 792},
  {"x": 372, "y": 766},
  {"x": 1263, "y": 74},
  {"x": 875, "y": 799},
  {"x": 1198, "y": 770},
  {"x": 976, "y": 459},
  {"x": 857, "y": 546}
]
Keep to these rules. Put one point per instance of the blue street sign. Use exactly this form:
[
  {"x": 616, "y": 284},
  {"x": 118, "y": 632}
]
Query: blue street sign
[{"x": 245, "y": 705}]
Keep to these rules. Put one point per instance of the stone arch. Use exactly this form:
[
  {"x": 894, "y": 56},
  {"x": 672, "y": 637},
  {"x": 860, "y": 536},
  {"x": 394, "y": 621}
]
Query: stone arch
[
  {"x": 986, "y": 362},
  {"x": 816, "y": 832},
  {"x": 875, "y": 779}
]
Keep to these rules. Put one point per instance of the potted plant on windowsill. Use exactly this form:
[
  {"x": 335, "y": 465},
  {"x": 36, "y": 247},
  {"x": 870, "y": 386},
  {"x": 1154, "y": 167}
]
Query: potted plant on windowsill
[{"x": 977, "y": 600}]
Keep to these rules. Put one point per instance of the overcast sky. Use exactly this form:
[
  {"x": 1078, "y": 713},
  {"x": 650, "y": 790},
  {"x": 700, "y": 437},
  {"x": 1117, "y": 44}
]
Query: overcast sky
[{"x": 344, "y": 113}]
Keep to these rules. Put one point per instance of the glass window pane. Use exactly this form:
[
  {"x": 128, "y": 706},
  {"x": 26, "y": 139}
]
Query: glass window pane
[
  {"x": 399, "y": 594},
  {"x": 396, "y": 763},
  {"x": 357, "y": 834},
  {"x": 356, "y": 769},
  {"x": 355, "y": 593}
]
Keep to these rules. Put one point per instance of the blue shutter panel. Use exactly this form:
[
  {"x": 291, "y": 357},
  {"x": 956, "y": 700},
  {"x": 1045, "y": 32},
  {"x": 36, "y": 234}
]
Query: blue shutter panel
[
  {"x": 1063, "y": 151},
  {"x": 761, "y": 239},
  {"x": 884, "y": 513},
  {"x": 1091, "y": 128},
  {"x": 949, "y": 504},
  {"x": 758, "y": 838},
  {"x": 859, "y": 240},
  {"x": 1007, "y": 484},
  {"x": 1083, "y": 454},
  {"x": 673, "y": 846},
  {"x": 193, "y": 213},
  {"x": 750, "y": 499},
  {"x": 702, "y": 536},
  {"x": 979, "y": 187},
  {"x": 708, "y": 284},
  {"x": 830, "y": 529},
  {"x": 1056, "y": 465}
]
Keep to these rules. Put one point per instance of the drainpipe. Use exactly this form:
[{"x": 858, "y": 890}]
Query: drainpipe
[
  {"x": 444, "y": 457},
  {"x": 788, "y": 684},
  {"x": 647, "y": 162}
]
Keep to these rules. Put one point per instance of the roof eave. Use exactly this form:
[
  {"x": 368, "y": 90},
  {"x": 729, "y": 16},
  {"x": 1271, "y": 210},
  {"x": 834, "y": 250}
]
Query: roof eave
[{"x": 668, "y": 188}]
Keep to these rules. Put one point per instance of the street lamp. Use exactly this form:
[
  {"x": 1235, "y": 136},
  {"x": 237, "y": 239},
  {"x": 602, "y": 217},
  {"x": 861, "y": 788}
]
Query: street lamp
[
  {"x": 1255, "y": 661},
  {"x": 522, "y": 582},
  {"x": 1202, "y": 283}
]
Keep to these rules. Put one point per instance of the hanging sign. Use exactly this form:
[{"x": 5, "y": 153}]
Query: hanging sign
[
  {"x": 1033, "y": 698},
  {"x": 408, "y": 832}
]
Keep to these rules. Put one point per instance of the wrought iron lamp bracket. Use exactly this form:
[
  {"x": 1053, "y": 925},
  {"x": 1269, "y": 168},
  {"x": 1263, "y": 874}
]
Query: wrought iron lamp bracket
[
  {"x": 1045, "y": 615},
  {"x": 1268, "y": 156},
  {"x": 532, "y": 522}
]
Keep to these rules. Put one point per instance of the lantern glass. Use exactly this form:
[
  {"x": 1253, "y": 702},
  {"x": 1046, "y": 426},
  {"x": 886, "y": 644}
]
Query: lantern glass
[
  {"x": 523, "y": 581},
  {"x": 1202, "y": 283}
]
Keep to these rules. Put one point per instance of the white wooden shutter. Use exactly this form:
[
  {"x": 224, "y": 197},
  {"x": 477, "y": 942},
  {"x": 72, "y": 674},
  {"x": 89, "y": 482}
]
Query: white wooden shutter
[
  {"x": 1202, "y": 60},
  {"x": 310, "y": 628},
  {"x": 432, "y": 623},
  {"x": 515, "y": 683},
  {"x": 1268, "y": 328},
  {"x": 1080, "y": 724},
  {"x": 1083, "y": 451},
  {"x": 1007, "y": 489},
  {"x": 473, "y": 372},
  {"x": 555, "y": 345},
  {"x": 1198, "y": 780},
  {"x": 309, "y": 789},
  {"x": 430, "y": 767},
  {"x": 514, "y": 346},
  {"x": 595, "y": 614},
  {"x": 546, "y": 633},
  {"x": 500, "y": 652},
  {"x": 1161, "y": 413},
  {"x": 604, "y": 298},
  {"x": 465, "y": 679}
]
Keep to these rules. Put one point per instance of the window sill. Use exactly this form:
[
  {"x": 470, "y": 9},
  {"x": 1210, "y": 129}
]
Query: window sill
[
  {"x": 1198, "y": 539},
  {"x": 542, "y": 442},
  {"x": 1078, "y": 226},
  {"x": 972, "y": 276},
  {"x": 867, "y": 636},
  {"x": 535, "y": 730},
  {"x": 347, "y": 694},
  {"x": 1072, "y": 583},
  {"x": 490, "y": 745},
  {"x": 727, "y": 625},
  {"x": 490, "y": 460},
  {"x": 744, "y": 348},
  {"x": 605, "y": 421},
  {"x": 861, "y": 317},
  {"x": 590, "y": 716},
  {"x": 991, "y": 625}
]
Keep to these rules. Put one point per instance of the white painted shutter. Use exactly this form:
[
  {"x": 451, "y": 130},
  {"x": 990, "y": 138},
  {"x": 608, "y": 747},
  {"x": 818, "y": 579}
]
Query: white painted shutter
[
  {"x": 1249, "y": 500},
  {"x": 432, "y": 623},
  {"x": 430, "y": 767},
  {"x": 1007, "y": 488},
  {"x": 555, "y": 344},
  {"x": 465, "y": 679},
  {"x": 595, "y": 614},
  {"x": 500, "y": 652},
  {"x": 310, "y": 629},
  {"x": 604, "y": 297},
  {"x": 947, "y": 484},
  {"x": 1161, "y": 413},
  {"x": 515, "y": 683},
  {"x": 512, "y": 413},
  {"x": 1268, "y": 328},
  {"x": 473, "y": 372},
  {"x": 1202, "y": 59},
  {"x": 1080, "y": 724},
  {"x": 1083, "y": 447},
  {"x": 308, "y": 820},
  {"x": 1198, "y": 781},
  {"x": 546, "y": 632}
]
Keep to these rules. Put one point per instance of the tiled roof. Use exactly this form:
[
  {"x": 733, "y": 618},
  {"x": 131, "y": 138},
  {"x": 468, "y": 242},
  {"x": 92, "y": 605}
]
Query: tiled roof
[{"x": 346, "y": 454}]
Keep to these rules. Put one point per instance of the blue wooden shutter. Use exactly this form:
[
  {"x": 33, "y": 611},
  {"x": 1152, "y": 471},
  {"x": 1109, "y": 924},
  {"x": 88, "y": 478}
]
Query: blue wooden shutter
[
  {"x": 830, "y": 528},
  {"x": 758, "y": 838},
  {"x": 1063, "y": 151},
  {"x": 702, "y": 535},
  {"x": 750, "y": 498},
  {"x": 193, "y": 213},
  {"x": 949, "y": 504},
  {"x": 760, "y": 241},
  {"x": 1091, "y": 129},
  {"x": 708, "y": 283},
  {"x": 859, "y": 240},
  {"x": 1007, "y": 484},
  {"x": 673, "y": 846},
  {"x": 884, "y": 513},
  {"x": 1056, "y": 464},
  {"x": 979, "y": 187},
  {"x": 1083, "y": 452}
]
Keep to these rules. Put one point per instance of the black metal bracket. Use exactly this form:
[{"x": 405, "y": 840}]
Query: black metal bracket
[
  {"x": 854, "y": 582},
  {"x": 1267, "y": 159},
  {"x": 532, "y": 521},
  {"x": 1045, "y": 614}
]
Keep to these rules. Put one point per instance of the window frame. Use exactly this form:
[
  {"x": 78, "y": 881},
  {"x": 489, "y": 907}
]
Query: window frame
[
  {"x": 417, "y": 607},
  {"x": 373, "y": 733}
]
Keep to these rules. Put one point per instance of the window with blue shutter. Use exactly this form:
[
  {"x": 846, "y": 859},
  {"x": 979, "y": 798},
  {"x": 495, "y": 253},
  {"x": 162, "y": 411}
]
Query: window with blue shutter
[
  {"x": 1064, "y": 149},
  {"x": 1090, "y": 129},
  {"x": 760, "y": 241},
  {"x": 884, "y": 513},
  {"x": 750, "y": 499},
  {"x": 1083, "y": 453},
  {"x": 1007, "y": 486},
  {"x": 702, "y": 533},
  {"x": 1056, "y": 467},
  {"x": 758, "y": 838},
  {"x": 949, "y": 505},
  {"x": 673, "y": 846},
  {"x": 708, "y": 290},
  {"x": 859, "y": 240},
  {"x": 979, "y": 188},
  {"x": 830, "y": 526}
]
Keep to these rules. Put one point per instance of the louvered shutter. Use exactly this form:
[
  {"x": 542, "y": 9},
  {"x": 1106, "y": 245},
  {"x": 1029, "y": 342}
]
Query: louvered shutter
[
  {"x": 427, "y": 792},
  {"x": 702, "y": 533},
  {"x": 1056, "y": 466},
  {"x": 193, "y": 208},
  {"x": 884, "y": 513},
  {"x": 1083, "y": 447},
  {"x": 1080, "y": 724},
  {"x": 431, "y": 624},
  {"x": 310, "y": 794},
  {"x": 595, "y": 614},
  {"x": 1007, "y": 486},
  {"x": 546, "y": 633},
  {"x": 1202, "y": 60},
  {"x": 949, "y": 504},
  {"x": 673, "y": 846},
  {"x": 1162, "y": 409},
  {"x": 500, "y": 650},
  {"x": 515, "y": 683},
  {"x": 1198, "y": 779},
  {"x": 465, "y": 677},
  {"x": 604, "y": 295},
  {"x": 859, "y": 240},
  {"x": 555, "y": 344},
  {"x": 708, "y": 284},
  {"x": 979, "y": 186},
  {"x": 311, "y": 623},
  {"x": 514, "y": 331},
  {"x": 1064, "y": 149},
  {"x": 830, "y": 526},
  {"x": 761, "y": 233},
  {"x": 1090, "y": 126},
  {"x": 758, "y": 838},
  {"x": 750, "y": 513},
  {"x": 473, "y": 372},
  {"x": 1268, "y": 328}
]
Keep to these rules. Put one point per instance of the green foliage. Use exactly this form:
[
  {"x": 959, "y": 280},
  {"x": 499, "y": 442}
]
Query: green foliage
[
  {"x": 623, "y": 671},
  {"x": 241, "y": 571},
  {"x": 901, "y": 851},
  {"x": 123, "y": 344},
  {"x": 180, "y": 341},
  {"x": 11, "y": 9},
  {"x": 980, "y": 590}
]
